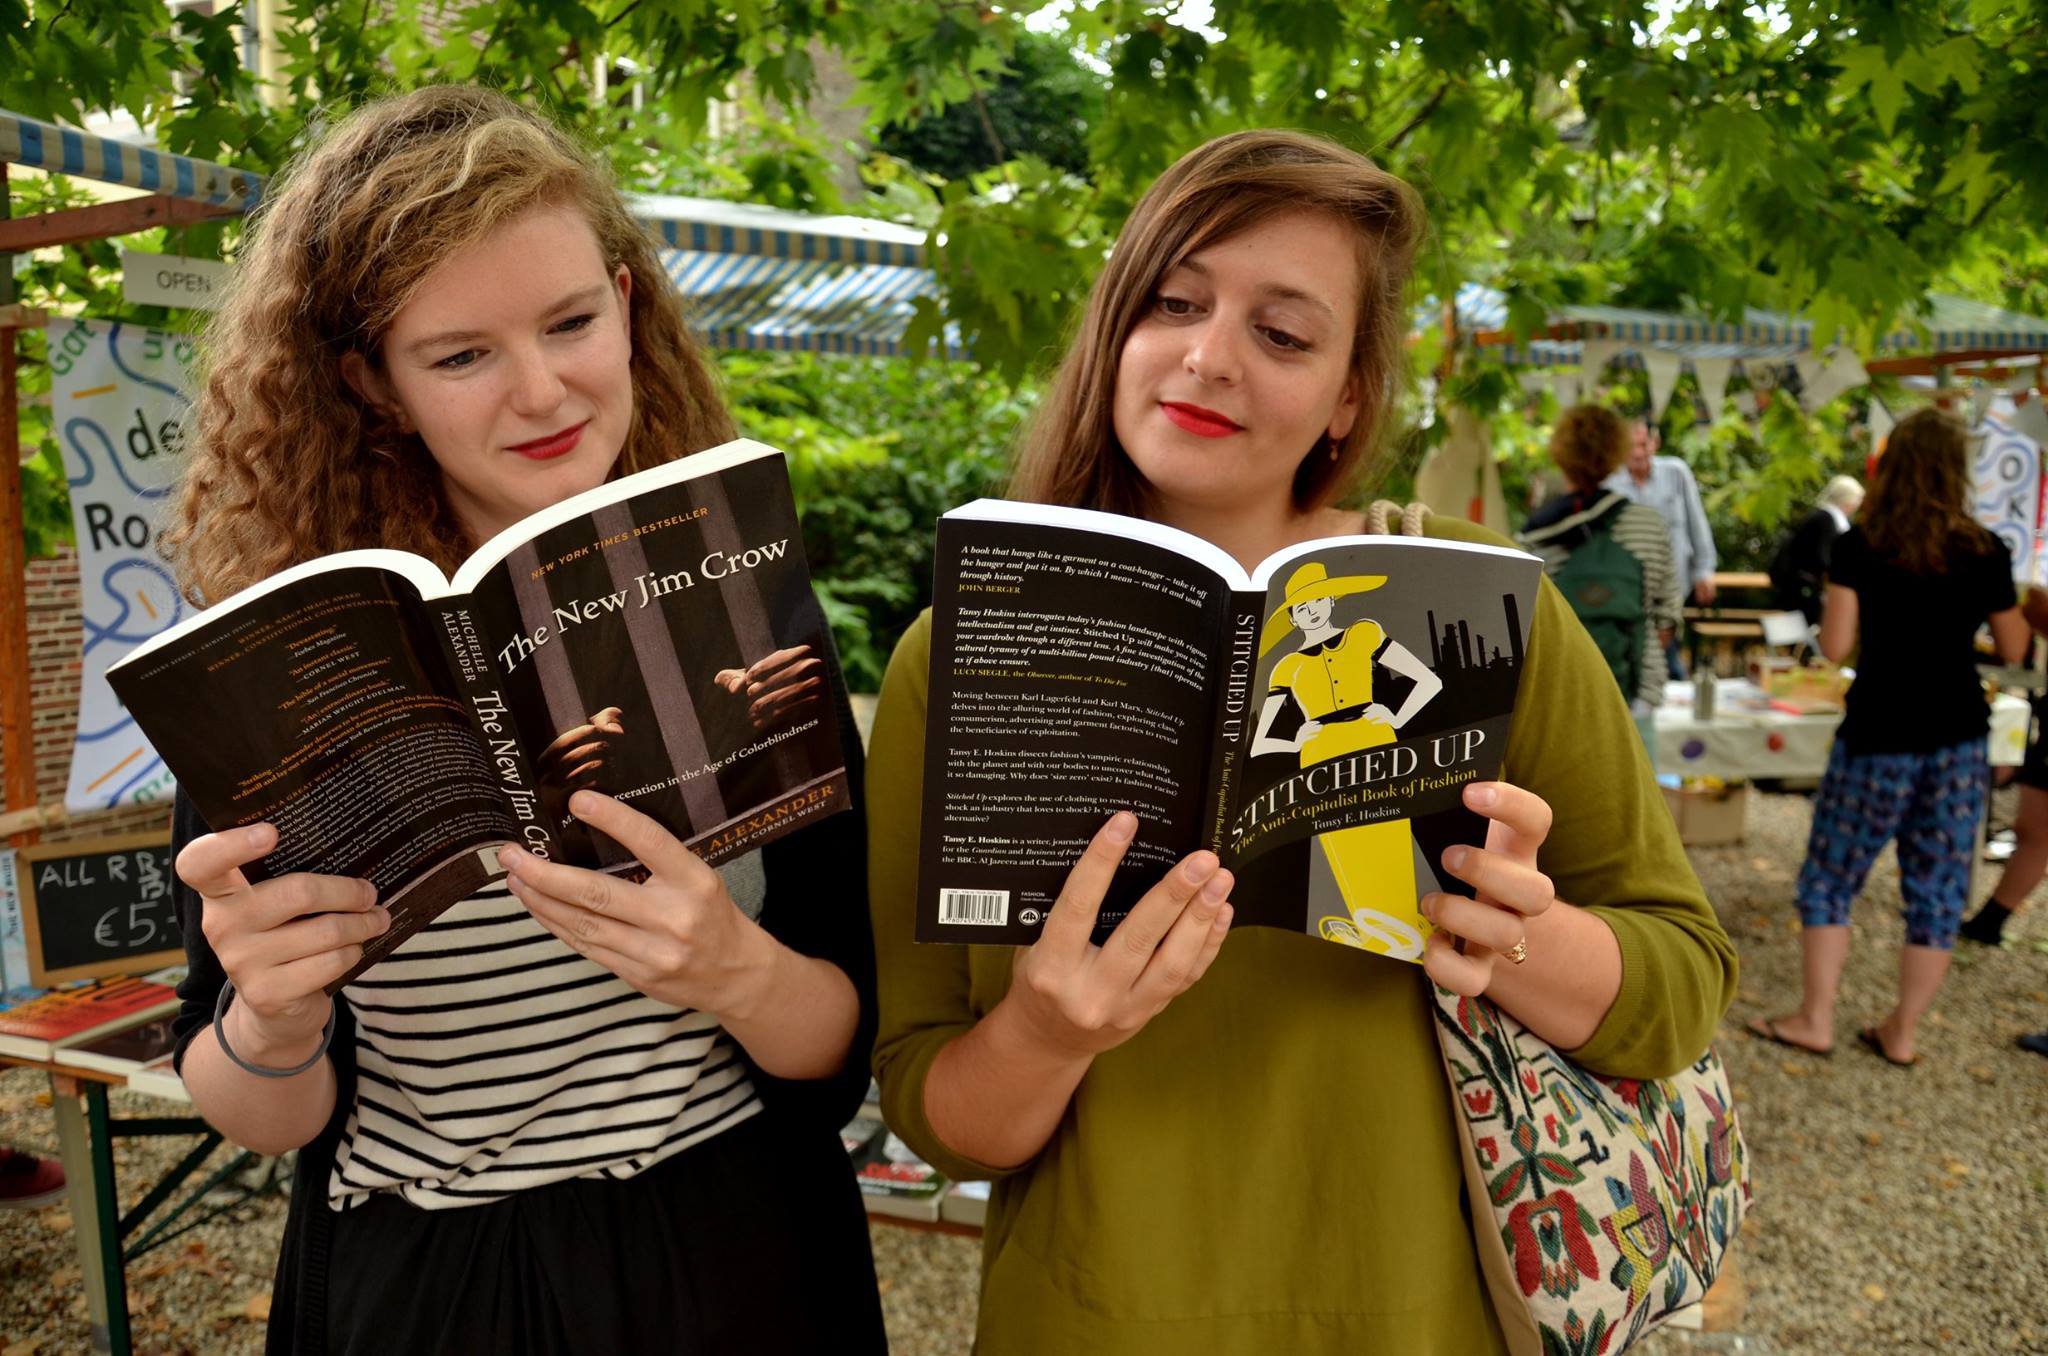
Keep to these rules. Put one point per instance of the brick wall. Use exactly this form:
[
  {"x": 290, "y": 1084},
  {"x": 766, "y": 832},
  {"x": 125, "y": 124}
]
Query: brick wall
[{"x": 55, "y": 641}]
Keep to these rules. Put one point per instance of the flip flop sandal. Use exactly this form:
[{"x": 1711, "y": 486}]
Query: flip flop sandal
[
  {"x": 1871, "y": 1041},
  {"x": 1765, "y": 1029}
]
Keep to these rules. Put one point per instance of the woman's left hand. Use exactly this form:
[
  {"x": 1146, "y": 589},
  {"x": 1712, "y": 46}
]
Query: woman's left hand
[
  {"x": 678, "y": 937},
  {"x": 1511, "y": 889}
]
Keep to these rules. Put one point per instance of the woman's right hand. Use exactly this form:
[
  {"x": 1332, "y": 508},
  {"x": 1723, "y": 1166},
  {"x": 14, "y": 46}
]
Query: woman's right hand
[
  {"x": 282, "y": 941},
  {"x": 1078, "y": 999}
]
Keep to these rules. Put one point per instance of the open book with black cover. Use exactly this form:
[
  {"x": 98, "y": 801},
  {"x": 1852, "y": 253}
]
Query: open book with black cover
[
  {"x": 1313, "y": 722},
  {"x": 655, "y": 638}
]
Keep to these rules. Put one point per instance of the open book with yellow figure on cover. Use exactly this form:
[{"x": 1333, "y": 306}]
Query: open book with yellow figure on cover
[{"x": 1313, "y": 722}]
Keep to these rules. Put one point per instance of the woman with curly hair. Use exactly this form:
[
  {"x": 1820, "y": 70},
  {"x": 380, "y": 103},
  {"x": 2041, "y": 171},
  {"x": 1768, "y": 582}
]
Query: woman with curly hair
[
  {"x": 584, "y": 1114},
  {"x": 1908, "y": 587}
]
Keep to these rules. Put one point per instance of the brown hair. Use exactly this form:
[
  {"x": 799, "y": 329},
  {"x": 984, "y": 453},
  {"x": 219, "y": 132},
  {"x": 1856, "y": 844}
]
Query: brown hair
[
  {"x": 1069, "y": 453},
  {"x": 1918, "y": 509},
  {"x": 1588, "y": 443},
  {"x": 287, "y": 462}
]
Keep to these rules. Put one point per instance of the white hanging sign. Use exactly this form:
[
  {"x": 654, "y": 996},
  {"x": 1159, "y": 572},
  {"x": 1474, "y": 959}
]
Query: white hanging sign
[
  {"x": 118, "y": 394},
  {"x": 172, "y": 280},
  {"x": 2007, "y": 479}
]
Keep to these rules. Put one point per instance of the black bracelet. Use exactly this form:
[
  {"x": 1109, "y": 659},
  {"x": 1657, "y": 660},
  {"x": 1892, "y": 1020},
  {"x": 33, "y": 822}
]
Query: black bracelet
[{"x": 220, "y": 1034}]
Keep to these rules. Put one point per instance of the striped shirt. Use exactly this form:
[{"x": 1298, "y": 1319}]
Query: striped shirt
[
  {"x": 491, "y": 1058},
  {"x": 1640, "y": 531}
]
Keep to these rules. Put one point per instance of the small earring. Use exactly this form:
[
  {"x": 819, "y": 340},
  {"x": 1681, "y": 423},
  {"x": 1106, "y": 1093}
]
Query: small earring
[{"x": 1330, "y": 446}]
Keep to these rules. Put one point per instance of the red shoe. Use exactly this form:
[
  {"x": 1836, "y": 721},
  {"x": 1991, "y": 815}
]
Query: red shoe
[{"x": 27, "y": 1181}]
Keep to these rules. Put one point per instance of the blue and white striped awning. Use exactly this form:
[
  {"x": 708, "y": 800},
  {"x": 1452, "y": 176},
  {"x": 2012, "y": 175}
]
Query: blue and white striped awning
[
  {"x": 752, "y": 277},
  {"x": 762, "y": 278},
  {"x": 1950, "y": 325},
  {"x": 63, "y": 150}
]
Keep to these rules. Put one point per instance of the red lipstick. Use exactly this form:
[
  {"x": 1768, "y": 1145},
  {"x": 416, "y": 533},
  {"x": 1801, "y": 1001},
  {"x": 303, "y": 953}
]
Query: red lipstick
[
  {"x": 552, "y": 446},
  {"x": 1198, "y": 421}
]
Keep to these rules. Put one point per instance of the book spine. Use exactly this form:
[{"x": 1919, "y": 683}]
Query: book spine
[
  {"x": 474, "y": 681},
  {"x": 13, "y": 937},
  {"x": 1235, "y": 661}
]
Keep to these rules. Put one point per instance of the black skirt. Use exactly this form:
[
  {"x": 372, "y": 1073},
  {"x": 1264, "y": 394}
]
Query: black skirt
[{"x": 754, "y": 1241}]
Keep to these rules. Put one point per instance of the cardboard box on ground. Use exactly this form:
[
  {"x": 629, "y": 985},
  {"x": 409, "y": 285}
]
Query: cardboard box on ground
[{"x": 1708, "y": 815}]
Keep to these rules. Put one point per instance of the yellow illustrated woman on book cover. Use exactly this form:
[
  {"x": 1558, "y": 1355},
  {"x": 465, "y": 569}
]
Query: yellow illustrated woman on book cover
[{"x": 1329, "y": 679}]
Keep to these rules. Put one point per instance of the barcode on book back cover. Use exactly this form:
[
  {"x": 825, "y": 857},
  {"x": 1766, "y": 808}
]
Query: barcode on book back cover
[{"x": 990, "y": 908}]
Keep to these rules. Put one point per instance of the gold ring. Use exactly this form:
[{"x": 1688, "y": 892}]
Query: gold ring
[{"x": 1519, "y": 952}]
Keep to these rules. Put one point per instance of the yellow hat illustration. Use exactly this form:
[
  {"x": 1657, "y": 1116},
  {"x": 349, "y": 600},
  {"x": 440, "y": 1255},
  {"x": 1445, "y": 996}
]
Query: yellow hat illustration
[{"x": 1309, "y": 582}]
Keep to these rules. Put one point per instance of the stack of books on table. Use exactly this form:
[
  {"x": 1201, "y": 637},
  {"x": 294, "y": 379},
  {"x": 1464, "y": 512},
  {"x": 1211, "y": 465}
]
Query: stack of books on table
[
  {"x": 896, "y": 1181},
  {"x": 142, "y": 1054},
  {"x": 85, "y": 1012},
  {"x": 893, "y": 1179},
  {"x": 966, "y": 1203}
]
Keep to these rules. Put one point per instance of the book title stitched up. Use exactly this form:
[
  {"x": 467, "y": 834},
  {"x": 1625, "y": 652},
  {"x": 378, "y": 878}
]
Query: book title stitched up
[{"x": 1313, "y": 722}]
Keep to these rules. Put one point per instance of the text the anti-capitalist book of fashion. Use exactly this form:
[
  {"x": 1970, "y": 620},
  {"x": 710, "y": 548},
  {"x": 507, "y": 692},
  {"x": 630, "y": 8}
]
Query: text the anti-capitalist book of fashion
[
  {"x": 656, "y": 639},
  {"x": 1314, "y": 723}
]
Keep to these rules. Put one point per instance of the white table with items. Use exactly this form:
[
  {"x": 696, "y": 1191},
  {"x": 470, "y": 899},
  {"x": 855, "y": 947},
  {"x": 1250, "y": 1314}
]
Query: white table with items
[{"x": 1748, "y": 738}]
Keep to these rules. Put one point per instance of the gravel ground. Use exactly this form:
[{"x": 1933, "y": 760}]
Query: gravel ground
[{"x": 1898, "y": 1210}]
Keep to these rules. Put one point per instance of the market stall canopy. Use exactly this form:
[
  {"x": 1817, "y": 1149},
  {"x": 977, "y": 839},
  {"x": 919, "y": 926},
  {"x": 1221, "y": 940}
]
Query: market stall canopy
[
  {"x": 753, "y": 277},
  {"x": 1953, "y": 328},
  {"x": 763, "y": 278},
  {"x": 176, "y": 189}
]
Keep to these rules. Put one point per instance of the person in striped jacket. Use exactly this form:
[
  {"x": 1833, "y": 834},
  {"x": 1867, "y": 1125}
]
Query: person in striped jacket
[{"x": 1610, "y": 556}]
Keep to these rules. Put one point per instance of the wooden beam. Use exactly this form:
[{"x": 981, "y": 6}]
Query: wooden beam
[
  {"x": 1568, "y": 331},
  {"x": 23, "y": 318},
  {"x": 32, "y": 818},
  {"x": 1926, "y": 366},
  {"x": 103, "y": 220},
  {"x": 17, "y": 730}
]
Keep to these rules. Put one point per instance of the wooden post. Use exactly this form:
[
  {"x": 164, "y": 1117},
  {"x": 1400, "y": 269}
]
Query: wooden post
[{"x": 17, "y": 733}]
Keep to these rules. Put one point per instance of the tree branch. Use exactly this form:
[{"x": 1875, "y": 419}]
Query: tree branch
[
  {"x": 1989, "y": 203},
  {"x": 988, "y": 126},
  {"x": 1421, "y": 116}
]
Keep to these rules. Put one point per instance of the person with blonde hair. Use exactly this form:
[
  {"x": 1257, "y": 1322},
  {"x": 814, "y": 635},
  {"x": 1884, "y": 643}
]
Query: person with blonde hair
[
  {"x": 1909, "y": 587},
  {"x": 1799, "y": 567},
  {"x": 580, "y": 1113},
  {"x": 1610, "y": 556},
  {"x": 1206, "y": 1140}
]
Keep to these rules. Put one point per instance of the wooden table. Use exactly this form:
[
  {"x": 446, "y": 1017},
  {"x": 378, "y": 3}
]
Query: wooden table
[{"x": 85, "y": 1145}]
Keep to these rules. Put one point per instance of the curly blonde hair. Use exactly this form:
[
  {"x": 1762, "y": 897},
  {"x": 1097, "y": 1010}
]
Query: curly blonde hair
[
  {"x": 1588, "y": 443},
  {"x": 287, "y": 462},
  {"x": 1069, "y": 453}
]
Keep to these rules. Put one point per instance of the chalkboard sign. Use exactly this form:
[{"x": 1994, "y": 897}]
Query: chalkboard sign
[{"x": 99, "y": 906}]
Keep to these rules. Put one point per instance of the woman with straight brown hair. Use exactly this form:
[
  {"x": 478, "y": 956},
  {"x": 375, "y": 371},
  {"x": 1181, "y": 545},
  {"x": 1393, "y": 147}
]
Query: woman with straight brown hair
[
  {"x": 582, "y": 1114},
  {"x": 1205, "y": 1141},
  {"x": 1909, "y": 586}
]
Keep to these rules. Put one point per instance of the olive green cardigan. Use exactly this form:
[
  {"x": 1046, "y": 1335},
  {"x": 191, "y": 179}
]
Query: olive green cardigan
[{"x": 1271, "y": 1164}]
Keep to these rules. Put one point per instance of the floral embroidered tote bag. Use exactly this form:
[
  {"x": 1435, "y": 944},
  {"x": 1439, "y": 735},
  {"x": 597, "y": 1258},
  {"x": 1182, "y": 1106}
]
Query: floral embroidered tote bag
[{"x": 1601, "y": 1206}]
